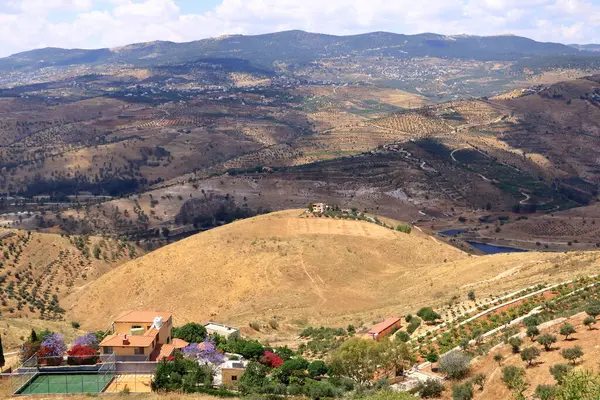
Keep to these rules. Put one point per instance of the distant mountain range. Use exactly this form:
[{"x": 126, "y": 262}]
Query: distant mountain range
[{"x": 296, "y": 47}]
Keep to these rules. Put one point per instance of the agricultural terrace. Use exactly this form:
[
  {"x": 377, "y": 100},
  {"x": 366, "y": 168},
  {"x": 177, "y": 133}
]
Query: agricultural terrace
[{"x": 38, "y": 269}]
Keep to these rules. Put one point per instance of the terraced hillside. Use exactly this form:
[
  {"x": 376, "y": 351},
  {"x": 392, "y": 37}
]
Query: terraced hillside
[
  {"x": 38, "y": 270},
  {"x": 320, "y": 270}
]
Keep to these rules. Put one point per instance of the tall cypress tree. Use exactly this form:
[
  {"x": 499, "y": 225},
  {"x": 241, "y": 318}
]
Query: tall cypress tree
[
  {"x": 2, "y": 361},
  {"x": 33, "y": 337}
]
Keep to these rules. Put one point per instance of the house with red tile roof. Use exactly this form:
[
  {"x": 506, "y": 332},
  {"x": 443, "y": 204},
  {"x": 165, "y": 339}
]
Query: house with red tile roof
[
  {"x": 385, "y": 328},
  {"x": 141, "y": 336}
]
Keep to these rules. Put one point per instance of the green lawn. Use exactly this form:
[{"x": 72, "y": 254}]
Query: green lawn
[{"x": 67, "y": 383}]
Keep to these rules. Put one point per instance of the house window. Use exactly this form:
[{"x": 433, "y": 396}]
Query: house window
[
  {"x": 233, "y": 378},
  {"x": 139, "y": 351},
  {"x": 107, "y": 350},
  {"x": 168, "y": 339},
  {"x": 136, "y": 326}
]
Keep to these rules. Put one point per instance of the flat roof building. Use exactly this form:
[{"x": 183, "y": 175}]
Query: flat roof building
[{"x": 221, "y": 330}]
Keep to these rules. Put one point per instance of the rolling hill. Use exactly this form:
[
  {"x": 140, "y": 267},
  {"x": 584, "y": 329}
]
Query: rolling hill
[{"x": 308, "y": 270}]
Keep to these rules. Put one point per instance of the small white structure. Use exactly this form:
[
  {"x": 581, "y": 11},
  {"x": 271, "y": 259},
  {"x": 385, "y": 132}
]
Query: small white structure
[
  {"x": 158, "y": 322},
  {"x": 222, "y": 330},
  {"x": 319, "y": 208}
]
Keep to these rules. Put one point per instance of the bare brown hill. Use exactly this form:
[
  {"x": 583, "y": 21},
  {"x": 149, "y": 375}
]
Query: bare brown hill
[{"x": 307, "y": 270}]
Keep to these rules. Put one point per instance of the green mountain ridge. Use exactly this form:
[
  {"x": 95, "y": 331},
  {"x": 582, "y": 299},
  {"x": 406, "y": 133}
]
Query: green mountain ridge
[{"x": 296, "y": 47}]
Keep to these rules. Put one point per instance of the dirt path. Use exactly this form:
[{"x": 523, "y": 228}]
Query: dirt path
[{"x": 526, "y": 199}]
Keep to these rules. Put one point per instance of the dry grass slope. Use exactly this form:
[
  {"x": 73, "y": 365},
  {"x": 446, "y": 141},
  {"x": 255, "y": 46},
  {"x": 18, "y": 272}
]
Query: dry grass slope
[
  {"x": 315, "y": 270},
  {"x": 277, "y": 264}
]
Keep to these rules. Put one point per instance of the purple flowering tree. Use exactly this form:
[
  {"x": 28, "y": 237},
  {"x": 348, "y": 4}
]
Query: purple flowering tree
[
  {"x": 54, "y": 344},
  {"x": 191, "y": 350},
  {"x": 89, "y": 340},
  {"x": 208, "y": 352}
]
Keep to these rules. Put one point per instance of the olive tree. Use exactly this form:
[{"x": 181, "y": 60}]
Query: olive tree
[
  {"x": 546, "y": 340},
  {"x": 455, "y": 364},
  {"x": 530, "y": 354}
]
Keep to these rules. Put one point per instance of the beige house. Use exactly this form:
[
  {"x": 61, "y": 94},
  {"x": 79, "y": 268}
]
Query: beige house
[
  {"x": 141, "y": 336},
  {"x": 319, "y": 208},
  {"x": 231, "y": 373}
]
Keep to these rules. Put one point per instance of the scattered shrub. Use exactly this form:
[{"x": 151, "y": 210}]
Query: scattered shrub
[
  {"x": 515, "y": 344},
  {"x": 462, "y": 391},
  {"x": 403, "y": 336},
  {"x": 589, "y": 321},
  {"x": 431, "y": 388},
  {"x": 455, "y": 364},
  {"x": 513, "y": 377},
  {"x": 545, "y": 392},
  {"x": 559, "y": 371},
  {"x": 427, "y": 314}
]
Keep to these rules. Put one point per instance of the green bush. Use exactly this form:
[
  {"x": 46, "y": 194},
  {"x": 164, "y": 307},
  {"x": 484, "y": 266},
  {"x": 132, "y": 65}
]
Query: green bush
[
  {"x": 431, "y": 388},
  {"x": 191, "y": 332},
  {"x": 389, "y": 395},
  {"x": 462, "y": 391},
  {"x": 593, "y": 310},
  {"x": 531, "y": 321},
  {"x": 513, "y": 377},
  {"x": 515, "y": 344},
  {"x": 413, "y": 326},
  {"x": 427, "y": 314},
  {"x": 320, "y": 389},
  {"x": 403, "y": 336},
  {"x": 471, "y": 295},
  {"x": 559, "y": 371},
  {"x": 181, "y": 374},
  {"x": 317, "y": 368},
  {"x": 545, "y": 392}
]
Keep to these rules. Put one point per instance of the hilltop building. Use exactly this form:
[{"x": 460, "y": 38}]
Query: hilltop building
[
  {"x": 141, "y": 336},
  {"x": 385, "y": 328},
  {"x": 320, "y": 208}
]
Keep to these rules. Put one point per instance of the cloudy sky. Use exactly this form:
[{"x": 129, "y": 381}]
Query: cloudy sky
[{"x": 28, "y": 24}]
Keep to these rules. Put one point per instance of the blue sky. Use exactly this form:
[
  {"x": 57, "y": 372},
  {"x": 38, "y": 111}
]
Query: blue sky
[{"x": 29, "y": 24}]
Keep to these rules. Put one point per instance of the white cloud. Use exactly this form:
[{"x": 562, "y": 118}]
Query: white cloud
[{"x": 27, "y": 24}]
